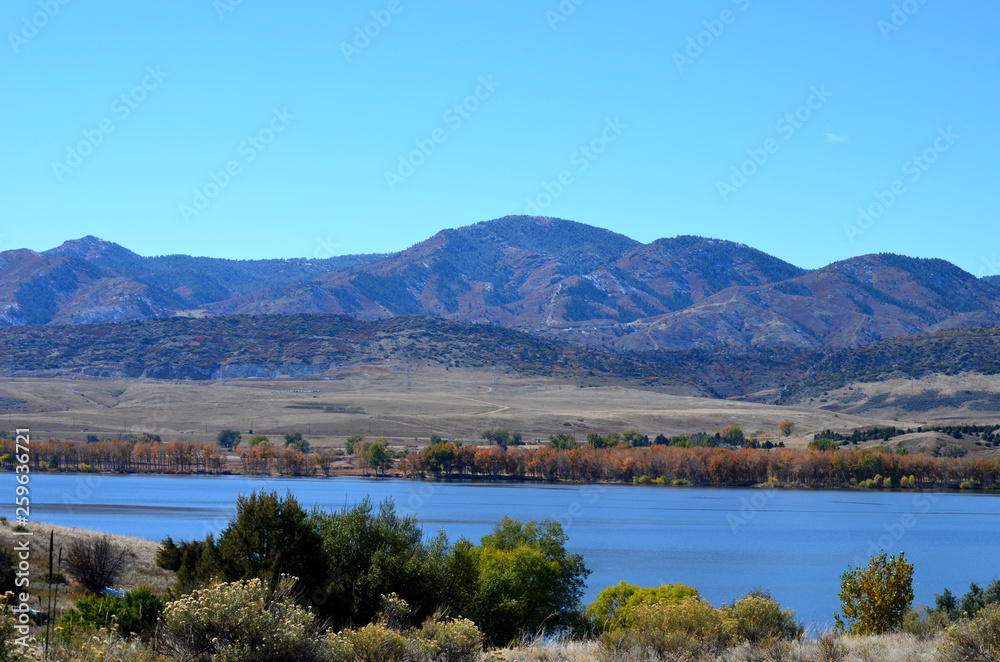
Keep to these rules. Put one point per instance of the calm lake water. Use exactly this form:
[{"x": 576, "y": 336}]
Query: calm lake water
[{"x": 722, "y": 541}]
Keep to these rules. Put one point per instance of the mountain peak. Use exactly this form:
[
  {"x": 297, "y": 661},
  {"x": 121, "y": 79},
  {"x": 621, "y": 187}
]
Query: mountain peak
[{"x": 89, "y": 247}]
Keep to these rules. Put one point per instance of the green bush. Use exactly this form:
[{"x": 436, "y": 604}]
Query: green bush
[
  {"x": 691, "y": 628},
  {"x": 525, "y": 581},
  {"x": 760, "y": 620},
  {"x": 613, "y": 606},
  {"x": 976, "y": 639},
  {"x": 135, "y": 613}
]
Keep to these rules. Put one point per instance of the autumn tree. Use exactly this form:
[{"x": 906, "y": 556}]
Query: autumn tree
[
  {"x": 786, "y": 427},
  {"x": 875, "y": 599}
]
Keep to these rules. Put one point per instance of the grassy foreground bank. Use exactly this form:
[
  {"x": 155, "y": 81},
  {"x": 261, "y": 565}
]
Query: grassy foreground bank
[{"x": 206, "y": 612}]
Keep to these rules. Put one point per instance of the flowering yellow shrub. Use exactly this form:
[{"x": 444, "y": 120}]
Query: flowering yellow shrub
[{"x": 241, "y": 621}]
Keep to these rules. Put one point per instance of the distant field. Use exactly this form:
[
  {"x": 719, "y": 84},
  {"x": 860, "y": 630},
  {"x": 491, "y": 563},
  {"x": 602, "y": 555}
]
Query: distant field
[{"x": 376, "y": 402}]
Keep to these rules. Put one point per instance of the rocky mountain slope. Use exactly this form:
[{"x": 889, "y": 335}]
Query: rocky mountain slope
[{"x": 560, "y": 278}]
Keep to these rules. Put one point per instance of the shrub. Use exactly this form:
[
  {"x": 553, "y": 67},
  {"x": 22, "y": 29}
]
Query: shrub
[
  {"x": 923, "y": 624},
  {"x": 692, "y": 627},
  {"x": 372, "y": 643},
  {"x": 453, "y": 640},
  {"x": 761, "y": 621},
  {"x": 241, "y": 621},
  {"x": 875, "y": 599},
  {"x": 10, "y": 650},
  {"x": 976, "y": 639},
  {"x": 613, "y": 606},
  {"x": 100, "y": 646},
  {"x": 135, "y": 613},
  {"x": 823, "y": 444},
  {"x": 96, "y": 564},
  {"x": 8, "y": 563}
]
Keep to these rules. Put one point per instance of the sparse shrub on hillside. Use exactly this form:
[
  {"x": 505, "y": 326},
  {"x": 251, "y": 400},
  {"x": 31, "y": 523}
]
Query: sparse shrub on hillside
[
  {"x": 875, "y": 599},
  {"x": 96, "y": 564},
  {"x": 976, "y": 639}
]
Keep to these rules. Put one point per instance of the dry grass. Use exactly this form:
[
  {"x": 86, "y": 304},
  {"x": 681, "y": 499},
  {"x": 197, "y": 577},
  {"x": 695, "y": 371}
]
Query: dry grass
[
  {"x": 885, "y": 648},
  {"x": 458, "y": 403},
  {"x": 141, "y": 569}
]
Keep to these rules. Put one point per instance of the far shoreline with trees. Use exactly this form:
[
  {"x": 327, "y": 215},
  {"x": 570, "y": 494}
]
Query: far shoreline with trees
[{"x": 727, "y": 458}]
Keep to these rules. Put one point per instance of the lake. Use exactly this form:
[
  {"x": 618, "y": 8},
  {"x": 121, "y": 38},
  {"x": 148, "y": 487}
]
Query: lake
[{"x": 724, "y": 542}]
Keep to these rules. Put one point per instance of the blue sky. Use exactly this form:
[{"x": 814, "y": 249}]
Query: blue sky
[{"x": 261, "y": 129}]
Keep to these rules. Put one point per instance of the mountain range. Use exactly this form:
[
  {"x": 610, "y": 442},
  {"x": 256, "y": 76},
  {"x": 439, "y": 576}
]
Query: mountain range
[{"x": 559, "y": 278}]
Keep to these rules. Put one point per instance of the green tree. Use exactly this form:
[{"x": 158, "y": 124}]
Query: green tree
[
  {"x": 635, "y": 439},
  {"x": 500, "y": 437},
  {"x": 269, "y": 537},
  {"x": 352, "y": 443},
  {"x": 563, "y": 442},
  {"x": 526, "y": 580},
  {"x": 375, "y": 455},
  {"x": 823, "y": 444},
  {"x": 374, "y": 553},
  {"x": 258, "y": 439},
  {"x": 875, "y": 599},
  {"x": 294, "y": 440},
  {"x": 229, "y": 438},
  {"x": 732, "y": 434}
]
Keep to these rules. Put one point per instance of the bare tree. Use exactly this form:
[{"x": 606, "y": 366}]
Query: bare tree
[{"x": 97, "y": 564}]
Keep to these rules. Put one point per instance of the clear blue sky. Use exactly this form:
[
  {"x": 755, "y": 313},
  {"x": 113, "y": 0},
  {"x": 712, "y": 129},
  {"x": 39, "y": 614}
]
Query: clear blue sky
[{"x": 610, "y": 70}]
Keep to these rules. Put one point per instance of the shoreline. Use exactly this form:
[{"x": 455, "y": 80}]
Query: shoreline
[{"x": 514, "y": 480}]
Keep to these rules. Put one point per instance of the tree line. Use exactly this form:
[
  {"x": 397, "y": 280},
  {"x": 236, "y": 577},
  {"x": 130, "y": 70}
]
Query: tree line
[
  {"x": 700, "y": 465},
  {"x": 563, "y": 460}
]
